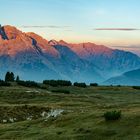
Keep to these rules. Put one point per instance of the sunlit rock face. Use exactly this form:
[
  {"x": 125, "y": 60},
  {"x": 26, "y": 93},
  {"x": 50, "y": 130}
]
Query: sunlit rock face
[
  {"x": 109, "y": 61},
  {"x": 35, "y": 58},
  {"x": 25, "y": 54}
]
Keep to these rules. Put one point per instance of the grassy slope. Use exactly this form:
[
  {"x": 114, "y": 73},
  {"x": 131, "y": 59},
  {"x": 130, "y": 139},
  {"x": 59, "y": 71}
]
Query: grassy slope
[{"x": 83, "y": 119}]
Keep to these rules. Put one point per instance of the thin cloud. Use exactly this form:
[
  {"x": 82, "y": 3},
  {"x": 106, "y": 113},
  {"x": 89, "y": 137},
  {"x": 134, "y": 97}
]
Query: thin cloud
[
  {"x": 68, "y": 30},
  {"x": 49, "y": 26},
  {"x": 128, "y": 47},
  {"x": 116, "y": 29}
]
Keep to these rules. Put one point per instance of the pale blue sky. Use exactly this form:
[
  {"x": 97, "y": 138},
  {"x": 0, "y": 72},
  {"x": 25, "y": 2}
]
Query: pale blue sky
[{"x": 75, "y": 20}]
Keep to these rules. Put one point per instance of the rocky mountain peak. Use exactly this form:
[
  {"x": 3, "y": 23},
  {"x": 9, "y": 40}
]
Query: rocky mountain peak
[
  {"x": 63, "y": 43},
  {"x": 37, "y": 37},
  {"x": 9, "y": 32},
  {"x": 53, "y": 42}
]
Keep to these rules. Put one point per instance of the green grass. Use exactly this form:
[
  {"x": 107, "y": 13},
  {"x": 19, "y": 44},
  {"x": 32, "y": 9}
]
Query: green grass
[{"x": 83, "y": 116}]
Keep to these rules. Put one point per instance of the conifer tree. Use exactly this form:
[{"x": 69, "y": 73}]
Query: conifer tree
[
  {"x": 17, "y": 79},
  {"x": 7, "y": 76},
  {"x": 12, "y": 77}
]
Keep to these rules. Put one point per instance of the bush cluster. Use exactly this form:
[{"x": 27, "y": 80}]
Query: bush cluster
[
  {"x": 136, "y": 87},
  {"x": 3, "y": 83},
  {"x": 28, "y": 83},
  {"x": 94, "y": 84},
  {"x": 56, "y": 83},
  {"x": 112, "y": 115},
  {"x": 61, "y": 91},
  {"x": 80, "y": 84}
]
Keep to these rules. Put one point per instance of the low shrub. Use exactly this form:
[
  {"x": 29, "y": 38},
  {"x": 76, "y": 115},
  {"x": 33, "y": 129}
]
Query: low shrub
[
  {"x": 112, "y": 115},
  {"x": 3, "y": 83},
  {"x": 28, "y": 83},
  {"x": 136, "y": 87},
  {"x": 42, "y": 87},
  {"x": 94, "y": 84},
  {"x": 82, "y": 130},
  {"x": 80, "y": 85},
  {"x": 56, "y": 83},
  {"x": 61, "y": 91},
  {"x": 59, "y": 133}
]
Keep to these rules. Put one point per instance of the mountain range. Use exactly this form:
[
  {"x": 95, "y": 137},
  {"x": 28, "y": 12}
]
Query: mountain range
[
  {"x": 34, "y": 58},
  {"x": 128, "y": 78}
]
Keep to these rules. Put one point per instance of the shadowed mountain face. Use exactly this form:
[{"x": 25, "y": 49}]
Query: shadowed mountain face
[
  {"x": 35, "y": 58},
  {"x": 128, "y": 78}
]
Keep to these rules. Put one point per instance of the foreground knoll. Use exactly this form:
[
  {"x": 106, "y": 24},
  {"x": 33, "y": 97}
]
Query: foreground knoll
[{"x": 81, "y": 118}]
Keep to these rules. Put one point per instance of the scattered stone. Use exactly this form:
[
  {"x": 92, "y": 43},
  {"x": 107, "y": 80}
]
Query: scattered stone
[
  {"x": 54, "y": 113},
  {"x": 31, "y": 91},
  {"x": 11, "y": 120},
  {"x": 29, "y": 118},
  {"x": 4, "y": 121},
  {"x": 43, "y": 114}
]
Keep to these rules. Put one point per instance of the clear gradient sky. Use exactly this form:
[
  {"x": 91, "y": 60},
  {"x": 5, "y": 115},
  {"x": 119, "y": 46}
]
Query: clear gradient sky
[{"x": 108, "y": 22}]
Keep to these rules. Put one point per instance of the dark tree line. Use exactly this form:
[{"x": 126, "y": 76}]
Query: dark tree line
[
  {"x": 93, "y": 84},
  {"x": 3, "y": 83},
  {"x": 57, "y": 83},
  {"x": 28, "y": 83},
  {"x": 80, "y": 84},
  {"x": 10, "y": 77}
]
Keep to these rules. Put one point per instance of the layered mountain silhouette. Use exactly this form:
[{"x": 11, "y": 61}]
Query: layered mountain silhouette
[
  {"x": 35, "y": 58},
  {"x": 128, "y": 78}
]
